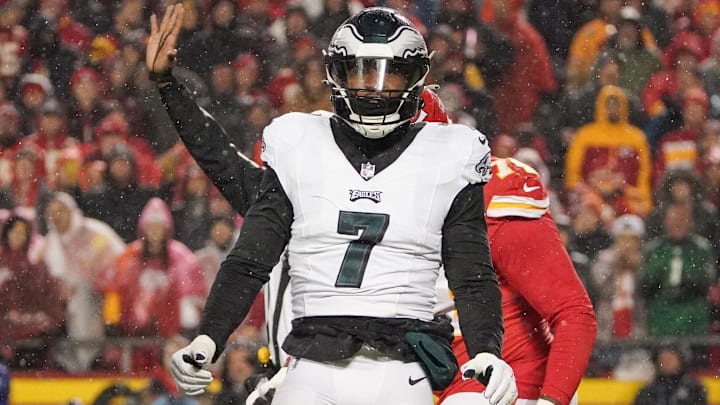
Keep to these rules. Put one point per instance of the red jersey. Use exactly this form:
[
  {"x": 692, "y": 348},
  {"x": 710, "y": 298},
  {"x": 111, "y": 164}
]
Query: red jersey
[{"x": 549, "y": 321}]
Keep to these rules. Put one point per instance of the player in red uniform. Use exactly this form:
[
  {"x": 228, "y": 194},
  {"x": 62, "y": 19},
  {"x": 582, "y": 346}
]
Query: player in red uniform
[{"x": 549, "y": 321}]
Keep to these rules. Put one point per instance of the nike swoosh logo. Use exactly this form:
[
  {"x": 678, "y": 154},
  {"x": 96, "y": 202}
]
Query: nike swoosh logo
[
  {"x": 413, "y": 382},
  {"x": 529, "y": 189}
]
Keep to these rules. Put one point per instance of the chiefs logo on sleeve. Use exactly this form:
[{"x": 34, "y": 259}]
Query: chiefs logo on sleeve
[{"x": 515, "y": 190}]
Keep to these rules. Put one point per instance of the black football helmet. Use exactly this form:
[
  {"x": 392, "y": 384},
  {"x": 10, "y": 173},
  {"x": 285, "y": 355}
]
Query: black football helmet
[{"x": 376, "y": 65}]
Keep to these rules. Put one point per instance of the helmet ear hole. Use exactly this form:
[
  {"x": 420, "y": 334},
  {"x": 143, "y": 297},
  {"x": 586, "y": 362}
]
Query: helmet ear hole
[{"x": 376, "y": 65}]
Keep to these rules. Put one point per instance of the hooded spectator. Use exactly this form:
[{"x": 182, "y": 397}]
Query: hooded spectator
[
  {"x": 76, "y": 250},
  {"x": 159, "y": 281},
  {"x": 612, "y": 156}
]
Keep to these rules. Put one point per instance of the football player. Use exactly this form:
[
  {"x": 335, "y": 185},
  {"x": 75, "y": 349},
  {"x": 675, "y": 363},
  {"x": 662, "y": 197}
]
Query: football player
[
  {"x": 369, "y": 206},
  {"x": 550, "y": 326}
]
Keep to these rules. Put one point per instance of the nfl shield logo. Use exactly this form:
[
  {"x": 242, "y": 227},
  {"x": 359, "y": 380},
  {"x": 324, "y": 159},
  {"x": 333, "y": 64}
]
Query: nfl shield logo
[{"x": 367, "y": 170}]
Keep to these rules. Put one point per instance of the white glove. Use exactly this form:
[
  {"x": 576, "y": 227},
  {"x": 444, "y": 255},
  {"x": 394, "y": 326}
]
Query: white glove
[
  {"x": 188, "y": 366},
  {"x": 262, "y": 389},
  {"x": 501, "y": 388}
]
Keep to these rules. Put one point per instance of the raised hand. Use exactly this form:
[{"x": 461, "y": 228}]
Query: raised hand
[{"x": 162, "y": 44}]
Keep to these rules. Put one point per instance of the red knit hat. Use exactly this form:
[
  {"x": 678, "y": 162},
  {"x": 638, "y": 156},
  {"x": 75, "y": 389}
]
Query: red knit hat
[
  {"x": 112, "y": 124},
  {"x": 84, "y": 75}
]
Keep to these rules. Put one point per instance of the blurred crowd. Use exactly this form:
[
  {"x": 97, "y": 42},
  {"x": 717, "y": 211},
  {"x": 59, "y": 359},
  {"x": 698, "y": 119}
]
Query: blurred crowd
[{"x": 110, "y": 229}]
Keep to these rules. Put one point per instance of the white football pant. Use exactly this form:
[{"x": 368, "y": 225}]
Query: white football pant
[{"x": 368, "y": 378}]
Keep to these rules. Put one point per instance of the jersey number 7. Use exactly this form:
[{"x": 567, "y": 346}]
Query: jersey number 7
[{"x": 371, "y": 229}]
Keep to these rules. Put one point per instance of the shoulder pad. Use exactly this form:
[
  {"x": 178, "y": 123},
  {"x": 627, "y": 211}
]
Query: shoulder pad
[
  {"x": 283, "y": 133},
  {"x": 515, "y": 190}
]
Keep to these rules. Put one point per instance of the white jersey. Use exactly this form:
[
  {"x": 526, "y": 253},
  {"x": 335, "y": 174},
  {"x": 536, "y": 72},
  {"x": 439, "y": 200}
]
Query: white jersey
[{"x": 367, "y": 242}]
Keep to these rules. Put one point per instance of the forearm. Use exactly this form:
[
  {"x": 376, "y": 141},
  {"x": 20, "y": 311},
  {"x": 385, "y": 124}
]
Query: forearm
[
  {"x": 470, "y": 274},
  {"x": 231, "y": 297},
  {"x": 574, "y": 333}
]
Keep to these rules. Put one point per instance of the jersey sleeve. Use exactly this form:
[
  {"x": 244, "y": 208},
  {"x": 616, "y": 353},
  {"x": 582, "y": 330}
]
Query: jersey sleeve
[
  {"x": 515, "y": 190},
  {"x": 477, "y": 169}
]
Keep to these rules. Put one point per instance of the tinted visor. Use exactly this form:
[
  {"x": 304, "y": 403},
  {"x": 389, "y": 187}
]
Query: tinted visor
[{"x": 375, "y": 74}]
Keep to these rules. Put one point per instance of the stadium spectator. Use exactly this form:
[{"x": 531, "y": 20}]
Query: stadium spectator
[
  {"x": 680, "y": 149},
  {"x": 28, "y": 178},
  {"x": 672, "y": 384},
  {"x": 120, "y": 199},
  {"x": 37, "y": 315},
  {"x": 114, "y": 131},
  {"x": 76, "y": 250},
  {"x": 677, "y": 271},
  {"x": 35, "y": 89},
  {"x": 612, "y": 156},
  {"x": 591, "y": 37},
  {"x": 13, "y": 43},
  {"x": 580, "y": 108},
  {"x": 51, "y": 136},
  {"x": 681, "y": 59},
  {"x": 683, "y": 187},
  {"x": 10, "y": 137},
  {"x": 614, "y": 275},
  {"x": 240, "y": 363},
  {"x": 637, "y": 59},
  {"x": 157, "y": 279},
  {"x": 191, "y": 208},
  {"x": 518, "y": 93},
  {"x": 87, "y": 106}
]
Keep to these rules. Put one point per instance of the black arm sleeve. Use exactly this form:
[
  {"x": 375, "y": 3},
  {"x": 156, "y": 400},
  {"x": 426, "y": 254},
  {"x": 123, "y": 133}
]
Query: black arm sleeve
[
  {"x": 263, "y": 236},
  {"x": 470, "y": 273},
  {"x": 237, "y": 177}
]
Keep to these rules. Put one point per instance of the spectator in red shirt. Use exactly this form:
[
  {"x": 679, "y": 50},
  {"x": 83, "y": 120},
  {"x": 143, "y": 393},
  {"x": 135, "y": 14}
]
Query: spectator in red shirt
[
  {"x": 113, "y": 131},
  {"x": 518, "y": 93},
  {"x": 26, "y": 315},
  {"x": 680, "y": 149},
  {"x": 51, "y": 137}
]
